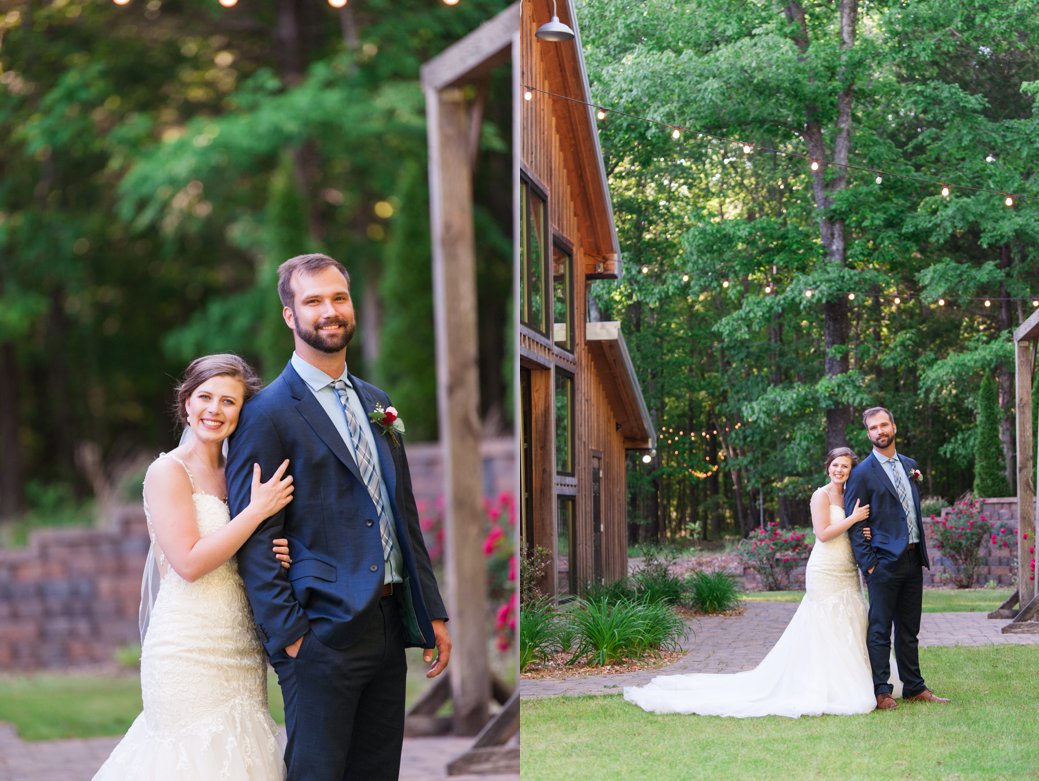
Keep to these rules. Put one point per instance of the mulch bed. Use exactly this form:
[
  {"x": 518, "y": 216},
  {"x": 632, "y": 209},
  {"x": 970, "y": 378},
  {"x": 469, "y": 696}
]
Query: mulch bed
[{"x": 556, "y": 667}]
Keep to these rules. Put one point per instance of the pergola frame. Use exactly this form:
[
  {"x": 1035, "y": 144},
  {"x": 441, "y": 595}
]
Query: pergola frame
[
  {"x": 1025, "y": 619},
  {"x": 454, "y": 112}
]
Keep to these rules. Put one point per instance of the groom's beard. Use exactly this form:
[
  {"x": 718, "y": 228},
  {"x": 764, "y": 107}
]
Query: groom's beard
[
  {"x": 327, "y": 343},
  {"x": 882, "y": 440}
]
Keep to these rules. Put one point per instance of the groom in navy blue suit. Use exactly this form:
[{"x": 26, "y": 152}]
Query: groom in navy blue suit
[
  {"x": 891, "y": 560},
  {"x": 361, "y": 587}
]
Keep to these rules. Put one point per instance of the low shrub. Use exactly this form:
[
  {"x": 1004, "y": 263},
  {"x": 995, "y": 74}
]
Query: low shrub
[
  {"x": 609, "y": 631},
  {"x": 538, "y": 632},
  {"x": 655, "y": 583},
  {"x": 712, "y": 592}
]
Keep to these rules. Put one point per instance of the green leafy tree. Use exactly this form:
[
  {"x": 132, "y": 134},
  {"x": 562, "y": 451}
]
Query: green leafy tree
[{"x": 989, "y": 473}]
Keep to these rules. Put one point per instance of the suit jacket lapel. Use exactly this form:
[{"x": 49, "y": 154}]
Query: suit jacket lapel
[
  {"x": 312, "y": 412},
  {"x": 883, "y": 476},
  {"x": 382, "y": 444}
]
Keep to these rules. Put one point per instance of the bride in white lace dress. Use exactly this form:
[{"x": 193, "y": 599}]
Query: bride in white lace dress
[
  {"x": 820, "y": 664},
  {"x": 203, "y": 671}
]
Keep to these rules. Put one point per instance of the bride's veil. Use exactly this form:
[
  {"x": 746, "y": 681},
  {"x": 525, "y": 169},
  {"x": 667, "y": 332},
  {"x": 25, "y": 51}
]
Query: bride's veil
[{"x": 152, "y": 576}]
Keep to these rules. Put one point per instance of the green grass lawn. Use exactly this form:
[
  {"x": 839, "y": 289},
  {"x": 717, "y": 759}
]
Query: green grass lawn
[
  {"x": 47, "y": 706},
  {"x": 981, "y": 735},
  {"x": 936, "y": 600}
]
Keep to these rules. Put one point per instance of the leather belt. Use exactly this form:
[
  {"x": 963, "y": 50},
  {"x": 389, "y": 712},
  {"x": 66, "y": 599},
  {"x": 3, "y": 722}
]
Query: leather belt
[{"x": 387, "y": 590}]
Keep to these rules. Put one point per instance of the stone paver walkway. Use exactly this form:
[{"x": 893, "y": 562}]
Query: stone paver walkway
[
  {"x": 424, "y": 759},
  {"x": 728, "y": 644}
]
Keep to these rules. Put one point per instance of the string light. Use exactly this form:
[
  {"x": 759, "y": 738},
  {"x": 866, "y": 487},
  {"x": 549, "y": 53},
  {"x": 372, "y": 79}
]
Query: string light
[
  {"x": 747, "y": 149},
  {"x": 446, "y": 2},
  {"x": 768, "y": 288},
  {"x": 645, "y": 269},
  {"x": 528, "y": 95},
  {"x": 342, "y": 3},
  {"x": 851, "y": 296},
  {"x": 600, "y": 114},
  {"x": 121, "y": 2},
  {"x": 897, "y": 300},
  {"x": 941, "y": 302},
  {"x": 676, "y": 134},
  {"x": 685, "y": 277},
  {"x": 228, "y": 3},
  {"x": 725, "y": 284},
  {"x": 1035, "y": 302},
  {"x": 987, "y": 303},
  {"x": 808, "y": 293}
]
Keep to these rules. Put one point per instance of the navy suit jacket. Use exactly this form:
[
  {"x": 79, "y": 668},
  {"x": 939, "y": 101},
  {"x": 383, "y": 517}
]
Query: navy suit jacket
[
  {"x": 335, "y": 582},
  {"x": 869, "y": 484}
]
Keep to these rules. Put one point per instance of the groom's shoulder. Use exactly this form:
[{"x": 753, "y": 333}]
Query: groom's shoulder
[{"x": 269, "y": 398}]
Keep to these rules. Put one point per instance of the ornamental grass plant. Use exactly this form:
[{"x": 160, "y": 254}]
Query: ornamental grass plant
[
  {"x": 712, "y": 592},
  {"x": 608, "y": 631},
  {"x": 538, "y": 632}
]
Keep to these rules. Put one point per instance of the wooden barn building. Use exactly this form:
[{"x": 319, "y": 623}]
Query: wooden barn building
[{"x": 581, "y": 405}]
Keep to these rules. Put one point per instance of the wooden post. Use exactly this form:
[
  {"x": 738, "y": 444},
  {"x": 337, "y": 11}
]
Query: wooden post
[
  {"x": 454, "y": 289},
  {"x": 1026, "y": 470}
]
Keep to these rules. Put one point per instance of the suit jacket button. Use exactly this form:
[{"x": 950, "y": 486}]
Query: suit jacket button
[
  {"x": 374, "y": 568},
  {"x": 369, "y": 523}
]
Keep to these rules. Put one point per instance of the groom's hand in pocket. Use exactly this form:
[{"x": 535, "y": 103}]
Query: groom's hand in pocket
[{"x": 293, "y": 649}]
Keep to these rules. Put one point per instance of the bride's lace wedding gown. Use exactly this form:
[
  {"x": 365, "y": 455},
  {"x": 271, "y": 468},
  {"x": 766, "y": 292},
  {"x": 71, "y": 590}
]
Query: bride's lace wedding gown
[
  {"x": 819, "y": 665},
  {"x": 203, "y": 680}
]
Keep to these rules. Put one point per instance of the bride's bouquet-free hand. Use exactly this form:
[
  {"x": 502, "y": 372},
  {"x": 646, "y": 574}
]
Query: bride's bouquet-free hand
[{"x": 388, "y": 421}]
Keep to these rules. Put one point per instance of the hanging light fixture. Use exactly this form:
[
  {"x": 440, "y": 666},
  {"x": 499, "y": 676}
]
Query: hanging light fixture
[{"x": 555, "y": 30}]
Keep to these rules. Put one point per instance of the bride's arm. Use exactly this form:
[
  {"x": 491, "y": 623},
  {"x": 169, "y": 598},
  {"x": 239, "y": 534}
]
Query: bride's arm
[
  {"x": 824, "y": 529},
  {"x": 167, "y": 491}
]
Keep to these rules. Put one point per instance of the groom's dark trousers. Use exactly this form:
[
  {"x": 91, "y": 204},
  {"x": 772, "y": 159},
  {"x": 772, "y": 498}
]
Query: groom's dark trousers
[
  {"x": 344, "y": 690},
  {"x": 896, "y": 585}
]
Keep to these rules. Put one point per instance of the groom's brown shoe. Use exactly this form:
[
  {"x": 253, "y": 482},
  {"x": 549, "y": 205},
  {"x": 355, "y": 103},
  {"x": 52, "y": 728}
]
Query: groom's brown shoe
[
  {"x": 926, "y": 696},
  {"x": 886, "y": 702}
]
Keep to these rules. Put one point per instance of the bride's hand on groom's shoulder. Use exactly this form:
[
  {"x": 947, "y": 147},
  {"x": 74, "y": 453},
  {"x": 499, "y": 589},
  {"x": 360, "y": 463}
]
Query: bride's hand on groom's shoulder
[{"x": 860, "y": 513}]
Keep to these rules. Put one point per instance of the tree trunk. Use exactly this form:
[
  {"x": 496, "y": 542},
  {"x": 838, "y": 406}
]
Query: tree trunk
[
  {"x": 11, "y": 487},
  {"x": 1005, "y": 382},
  {"x": 831, "y": 232}
]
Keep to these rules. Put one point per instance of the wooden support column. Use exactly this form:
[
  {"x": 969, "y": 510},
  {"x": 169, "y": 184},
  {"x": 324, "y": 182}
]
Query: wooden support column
[
  {"x": 454, "y": 289},
  {"x": 1026, "y": 471}
]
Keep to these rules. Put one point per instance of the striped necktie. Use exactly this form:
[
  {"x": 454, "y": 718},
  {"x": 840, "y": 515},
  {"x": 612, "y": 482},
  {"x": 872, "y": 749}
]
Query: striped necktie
[
  {"x": 901, "y": 490},
  {"x": 366, "y": 465}
]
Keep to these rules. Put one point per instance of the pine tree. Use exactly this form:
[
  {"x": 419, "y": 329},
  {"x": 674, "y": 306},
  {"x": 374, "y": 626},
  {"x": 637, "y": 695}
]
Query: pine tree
[{"x": 989, "y": 473}]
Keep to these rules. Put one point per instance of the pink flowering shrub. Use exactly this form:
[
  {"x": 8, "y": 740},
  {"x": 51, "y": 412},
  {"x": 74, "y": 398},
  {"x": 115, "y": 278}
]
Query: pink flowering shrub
[
  {"x": 499, "y": 553},
  {"x": 773, "y": 553},
  {"x": 960, "y": 535}
]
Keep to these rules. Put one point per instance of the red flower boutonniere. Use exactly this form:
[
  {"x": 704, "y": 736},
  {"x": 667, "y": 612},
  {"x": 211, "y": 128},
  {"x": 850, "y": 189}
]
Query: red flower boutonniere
[
  {"x": 916, "y": 475},
  {"x": 388, "y": 421}
]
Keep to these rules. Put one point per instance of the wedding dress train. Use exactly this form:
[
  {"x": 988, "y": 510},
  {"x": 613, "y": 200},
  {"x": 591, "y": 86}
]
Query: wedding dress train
[
  {"x": 819, "y": 665},
  {"x": 203, "y": 681}
]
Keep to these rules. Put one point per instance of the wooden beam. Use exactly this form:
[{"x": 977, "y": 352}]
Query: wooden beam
[
  {"x": 1029, "y": 329},
  {"x": 484, "y": 49},
  {"x": 1026, "y": 474},
  {"x": 458, "y": 402}
]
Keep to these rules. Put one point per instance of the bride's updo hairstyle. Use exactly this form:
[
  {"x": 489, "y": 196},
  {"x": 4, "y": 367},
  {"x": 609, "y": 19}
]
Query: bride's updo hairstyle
[
  {"x": 837, "y": 452},
  {"x": 207, "y": 367}
]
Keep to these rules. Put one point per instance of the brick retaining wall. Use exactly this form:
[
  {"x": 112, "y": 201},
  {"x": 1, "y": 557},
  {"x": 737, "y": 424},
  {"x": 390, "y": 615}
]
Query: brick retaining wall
[
  {"x": 1000, "y": 564},
  {"x": 71, "y": 596}
]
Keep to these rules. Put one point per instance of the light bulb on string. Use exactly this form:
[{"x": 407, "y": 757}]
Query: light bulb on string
[
  {"x": 987, "y": 303},
  {"x": 815, "y": 165},
  {"x": 1035, "y": 302},
  {"x": 1009, "y": 201},
  {"x": 121, "y": 2},
  {"x": 600, "y": 114},
  {"x": 945, "y": 191},
  {"x": 645, "y": 269},
  {"x": 747, "y": 149},
  {"x": 528, "y": 95},
  {"x": 808, "y": 293},
  {"x": 342, "y": 3},
  {"x": 685, "y": 277},
  {"x": 725, "y": 283},
  {"x": 897, "y": 300},
  {"x": 941, "y": 302},
  {"x": 768, "y": 288},
  {"x": 851, "y": 296},
  {"x": 879, "y": 180},
  {"x": 448, "y": 2},
  {"x": 228, "y": 3},
  {"x": 676, "y": 134}
]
